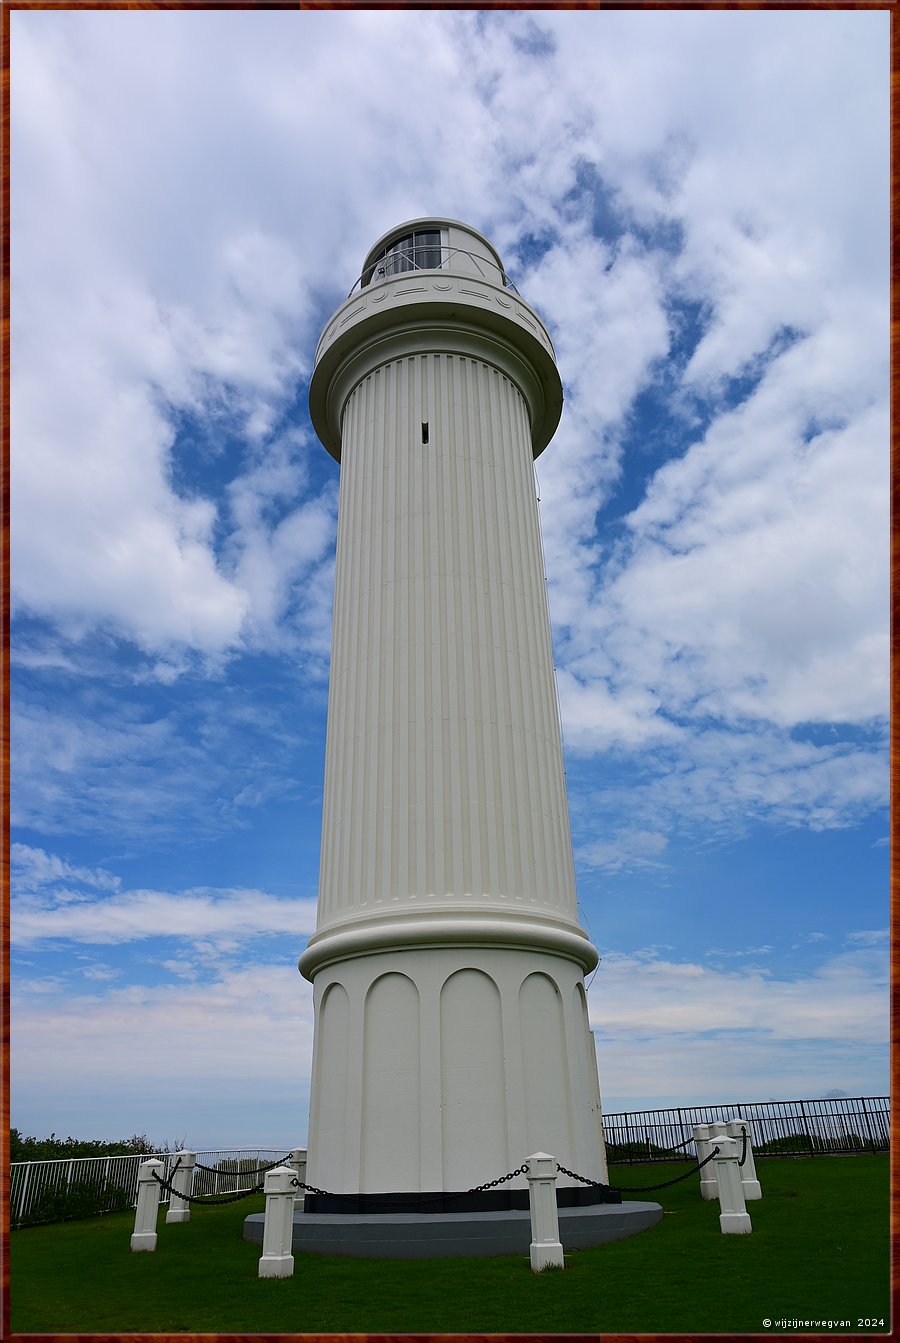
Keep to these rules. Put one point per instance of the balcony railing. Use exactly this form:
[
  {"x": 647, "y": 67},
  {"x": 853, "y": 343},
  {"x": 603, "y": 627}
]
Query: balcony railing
[{"x": 383, "y": 268}]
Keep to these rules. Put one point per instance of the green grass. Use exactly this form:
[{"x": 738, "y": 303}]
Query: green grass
[{"x": 819, "y": 1250}]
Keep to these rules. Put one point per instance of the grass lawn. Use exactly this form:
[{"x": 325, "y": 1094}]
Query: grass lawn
[{"x": 819, "y": 1251}]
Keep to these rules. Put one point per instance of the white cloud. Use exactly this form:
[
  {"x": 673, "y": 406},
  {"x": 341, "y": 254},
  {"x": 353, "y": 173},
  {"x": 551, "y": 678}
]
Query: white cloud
[
  {"x": 597, "y": 715},
  {"x": 671, "y": 1032},
  {"x": 754, "y": 585},
  {"x": 283, "y": 559},
  {"x": 751, "y": 587},
  {"x": 748, "y": 600},
  {"x": 870, "y": 937},
  {"x": 747, "y": 951},
  {"x": 608, "y": 316},
  {"x": 735, "y": 1068},
  {"x": 610, "y": 330},
  {"x": 31, "y": 869},
  {"x": 721, "y": 784},
  {"x": 102, "y": 974},
  {"x": 134, "y": 915},
  {"x": 125, "y": 345},
  {"x": 141, "y": 771},
  {"x": 229, "y": 1059},
  {"x": 681, "y": 1031},
  {"x": 220, "y": 313},
  {"x": 625, "y": 848},
  {"x": 845, "y": 998},
  {"x": 88, "y": 470}
]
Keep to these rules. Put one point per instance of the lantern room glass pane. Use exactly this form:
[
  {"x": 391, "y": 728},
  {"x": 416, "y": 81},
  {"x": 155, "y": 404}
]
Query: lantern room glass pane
[
  {"x": 417, "y": 251},
  {"x": 428, "y": 250}
]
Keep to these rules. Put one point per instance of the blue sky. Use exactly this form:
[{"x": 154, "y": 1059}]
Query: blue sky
[{"x": 697, "y": 204}]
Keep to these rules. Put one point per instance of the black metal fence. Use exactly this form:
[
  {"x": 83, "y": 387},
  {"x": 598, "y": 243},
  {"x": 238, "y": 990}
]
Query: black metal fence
[{"x": 833, "y": 1126}]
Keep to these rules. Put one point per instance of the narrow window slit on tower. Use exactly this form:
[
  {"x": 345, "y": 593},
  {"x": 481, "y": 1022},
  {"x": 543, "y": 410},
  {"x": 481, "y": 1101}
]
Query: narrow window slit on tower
[{"x": 424, "y": 431}]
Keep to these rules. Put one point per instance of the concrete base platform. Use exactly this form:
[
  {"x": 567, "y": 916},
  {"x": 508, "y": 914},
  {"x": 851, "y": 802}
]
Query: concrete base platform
[{"x": 442, "y": 1235}]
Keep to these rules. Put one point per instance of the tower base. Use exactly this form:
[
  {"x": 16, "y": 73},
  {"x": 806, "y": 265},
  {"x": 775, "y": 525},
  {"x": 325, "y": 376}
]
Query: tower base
[
  {"x": 447, "y": 1235},
  {"x": 440, "y": 1067}
]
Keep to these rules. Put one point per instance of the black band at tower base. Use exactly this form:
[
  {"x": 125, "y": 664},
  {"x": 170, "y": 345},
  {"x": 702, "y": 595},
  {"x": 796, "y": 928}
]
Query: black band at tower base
[{"x": 484, "y": 1200}]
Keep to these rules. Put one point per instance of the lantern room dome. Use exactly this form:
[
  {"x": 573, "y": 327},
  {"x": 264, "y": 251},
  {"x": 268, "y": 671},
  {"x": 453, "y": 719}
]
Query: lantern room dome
[{"x": 433, "y": 243}]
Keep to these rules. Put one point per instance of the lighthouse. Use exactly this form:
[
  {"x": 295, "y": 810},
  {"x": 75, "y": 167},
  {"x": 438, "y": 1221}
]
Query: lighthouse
[{"x": 451, "y": 1026}]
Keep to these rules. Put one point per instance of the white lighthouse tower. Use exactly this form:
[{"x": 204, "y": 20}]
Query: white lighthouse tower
[{"x": 452, "y": 1034}]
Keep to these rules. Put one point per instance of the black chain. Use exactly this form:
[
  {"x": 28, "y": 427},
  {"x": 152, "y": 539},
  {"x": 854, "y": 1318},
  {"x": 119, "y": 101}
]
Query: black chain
[
  {"x": 679, "y": 1145},
  {"x": 648, "y": 1188},
  {"x": 595, "y": 1184},
  {"x": 211, "y": 1201},
  {"x": 206, "y": 1199},
  {"x": 260, "y": 1170},
  {"x": 641, "y": 1188},
  {"x": 520, "y": 1170}
]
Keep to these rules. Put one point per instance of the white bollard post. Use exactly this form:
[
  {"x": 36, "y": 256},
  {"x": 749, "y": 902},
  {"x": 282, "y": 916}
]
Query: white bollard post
[
  {"x": 702, "y": 1141},
  {"x": 296, "y": 1159},
  {"x": 144, "y": 1234},
  {"x": 183, "y": 1181},
  {"x": 277, "y": 1260},
  {"x": 717, "y": 1129},
  {"x": 735, "y": 1128},
  {"x": 734, "y": 1219},
  {"x": 546, "y": 1249}
]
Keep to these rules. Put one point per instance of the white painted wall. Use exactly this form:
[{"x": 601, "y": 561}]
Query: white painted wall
[
  {"x": 428, "y": 1073},
  {"x": 451, "y": 1036}
]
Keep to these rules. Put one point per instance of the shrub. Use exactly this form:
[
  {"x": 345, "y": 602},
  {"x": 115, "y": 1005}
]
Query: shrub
[
  {"x": 645, "y": 1151},
  {"x": 804, "y": 1144},
  {"x": 86, "y": 1198},
  {"x": 52, "y": 1149}
]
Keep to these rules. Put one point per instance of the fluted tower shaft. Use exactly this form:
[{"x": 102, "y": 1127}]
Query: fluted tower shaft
[{"x": 444, "y": 780}]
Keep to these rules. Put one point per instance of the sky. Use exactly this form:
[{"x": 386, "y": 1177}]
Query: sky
[{"x": 696, "y": 202}]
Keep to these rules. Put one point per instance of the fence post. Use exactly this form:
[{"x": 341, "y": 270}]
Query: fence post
[
  {"x": 806, "y": 1131},
  {"x": 546, "y": 1249},
  {"x": 276, "y": 1260},
  {"x": 144, "y": 1234},
  {"x": 22, "y": 1205},
  {"x": 734, "y": 1219},
  {"x": 869, "y": 1128},
  {"x": 736, "y": 1128},
  {"x": 703, "y": 1144},
  {"x": 296, "y": 1159},
  {"x": 182, "y": 1182}
]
